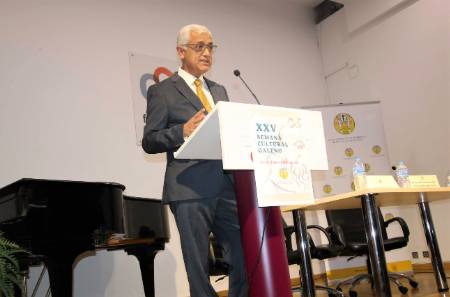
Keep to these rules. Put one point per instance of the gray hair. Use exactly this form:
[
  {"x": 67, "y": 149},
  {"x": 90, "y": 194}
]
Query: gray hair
[{"x": 185, "y": 33}]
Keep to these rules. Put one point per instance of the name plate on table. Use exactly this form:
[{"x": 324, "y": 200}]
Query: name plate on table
[
  {"x": 424, "y": 181},
  {"x": 380, "y": 181}
]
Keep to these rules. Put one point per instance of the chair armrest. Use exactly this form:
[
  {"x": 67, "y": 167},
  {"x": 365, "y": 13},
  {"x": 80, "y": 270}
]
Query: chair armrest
[
  {"x": 288, "y": 231},
  {"x": 337, "y": 235},
  {"x": 323, "y": 230},
  {"x": 402, "y": 224}
]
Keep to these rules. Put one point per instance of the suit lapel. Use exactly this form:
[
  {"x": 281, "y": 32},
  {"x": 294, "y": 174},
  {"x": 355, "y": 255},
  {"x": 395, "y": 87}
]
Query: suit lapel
[
  {"x": 184, "y": 89},
  {"x": 214, "y": 90}
]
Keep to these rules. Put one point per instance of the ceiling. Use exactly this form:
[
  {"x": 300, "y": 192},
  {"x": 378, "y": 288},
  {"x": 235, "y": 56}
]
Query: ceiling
[{"x": 308, "y": 3}]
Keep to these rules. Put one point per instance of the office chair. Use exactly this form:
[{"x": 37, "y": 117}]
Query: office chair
[
  {"x": 352, "y": 225},
  {"x": 216, "y": 262},
  {"x": 320, "y": 252}
]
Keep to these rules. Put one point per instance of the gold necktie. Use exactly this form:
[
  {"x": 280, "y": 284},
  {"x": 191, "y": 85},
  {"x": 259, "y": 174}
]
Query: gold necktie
[{"x": 201, "y": 95}]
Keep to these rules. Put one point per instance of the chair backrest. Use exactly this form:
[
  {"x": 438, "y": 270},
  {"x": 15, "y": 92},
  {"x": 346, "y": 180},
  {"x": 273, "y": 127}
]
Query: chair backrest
[
  {"x": 216, "y": 262},
  {"x": 352, "y": 223},
  {"x": 322, "y": 251}
]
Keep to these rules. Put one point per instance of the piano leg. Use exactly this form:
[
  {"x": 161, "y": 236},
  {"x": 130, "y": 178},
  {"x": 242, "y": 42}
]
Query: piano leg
[
  {"x": 60, "y": 272},
  {"x": 145, "y": 256}
]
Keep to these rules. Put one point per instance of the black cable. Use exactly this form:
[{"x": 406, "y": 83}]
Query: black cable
[{"x": 260, "y": 248}]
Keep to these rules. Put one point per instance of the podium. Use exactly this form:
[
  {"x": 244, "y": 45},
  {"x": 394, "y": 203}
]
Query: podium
[{"x": 225, "y": 135}]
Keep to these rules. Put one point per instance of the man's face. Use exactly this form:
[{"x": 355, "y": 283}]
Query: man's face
[{"x": 195, "y": 61}]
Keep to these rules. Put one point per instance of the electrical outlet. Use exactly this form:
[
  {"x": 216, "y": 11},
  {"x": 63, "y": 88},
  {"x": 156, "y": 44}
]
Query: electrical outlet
[
  {"x": 415, "y": 255},
  {"x": 426, "y": 254}
]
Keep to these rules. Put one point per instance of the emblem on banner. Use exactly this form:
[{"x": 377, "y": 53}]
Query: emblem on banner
[
  {"x": 344, "y": 123},
  {"x": 349, "y": 152},
  {"x": 283, "y": 173},
  {"x": 327, "y": 189},
  {"x": 338, "y": 170},
  {"x": 376, "y": 149}
]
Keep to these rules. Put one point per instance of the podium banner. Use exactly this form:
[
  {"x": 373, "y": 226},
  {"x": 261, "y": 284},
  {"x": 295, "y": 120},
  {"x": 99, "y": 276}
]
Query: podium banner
[
  {"x": 351, "y": 130},
  {"x": 280, "y": 160},
  {"x": 145, "y": 70}
]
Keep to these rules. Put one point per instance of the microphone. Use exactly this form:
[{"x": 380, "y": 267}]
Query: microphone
[{"x": 238, "y": 74}]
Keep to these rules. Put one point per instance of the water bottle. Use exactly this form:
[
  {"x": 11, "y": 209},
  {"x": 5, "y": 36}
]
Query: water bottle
[
  {"x": 359, "y": 174},
  {"x": 402, "y": 176}
]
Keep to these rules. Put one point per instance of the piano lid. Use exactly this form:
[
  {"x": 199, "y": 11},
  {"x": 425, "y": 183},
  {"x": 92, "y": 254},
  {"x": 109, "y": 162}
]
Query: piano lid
[
  {"x": 4, "y": 190},
  {"x": 63, "y": 208}
]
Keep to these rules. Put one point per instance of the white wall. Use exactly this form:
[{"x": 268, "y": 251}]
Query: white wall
[
  {"x": 65, "y": 96},
  {"x": 402, "y": 59},
  {"x": 360, "y": 13}
]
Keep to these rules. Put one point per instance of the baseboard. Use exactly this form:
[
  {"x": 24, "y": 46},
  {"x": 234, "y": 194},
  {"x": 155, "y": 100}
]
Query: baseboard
[
  {"x": 428, "y": 267},
  {"x": 322, "y": 277},
  {"x": 295, "y": 282},
  {"x": 399, "y": 266}
]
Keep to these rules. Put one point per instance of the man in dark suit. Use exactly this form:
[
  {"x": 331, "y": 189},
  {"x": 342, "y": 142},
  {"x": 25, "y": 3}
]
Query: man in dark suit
[{"x": 199, "y": 192}]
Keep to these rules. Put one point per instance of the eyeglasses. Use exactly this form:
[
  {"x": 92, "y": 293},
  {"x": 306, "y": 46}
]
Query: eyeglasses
[{"x": 200, "y": 47}]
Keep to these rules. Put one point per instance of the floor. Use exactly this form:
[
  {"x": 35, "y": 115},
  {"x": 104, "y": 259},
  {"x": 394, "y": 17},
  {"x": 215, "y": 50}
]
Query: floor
[{"x": 427, "y": 288}]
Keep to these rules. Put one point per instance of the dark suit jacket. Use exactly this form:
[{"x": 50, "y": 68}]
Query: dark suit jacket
[{"x": 170, "y": 104}]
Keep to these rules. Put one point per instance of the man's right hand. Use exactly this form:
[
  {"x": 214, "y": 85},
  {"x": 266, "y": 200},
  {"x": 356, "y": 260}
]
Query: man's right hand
[{"x": 193, "y": 122}]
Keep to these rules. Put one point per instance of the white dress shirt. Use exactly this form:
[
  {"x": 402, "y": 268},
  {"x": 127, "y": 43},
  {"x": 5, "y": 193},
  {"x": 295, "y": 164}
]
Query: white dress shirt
[{"x": 189, "y": 79}]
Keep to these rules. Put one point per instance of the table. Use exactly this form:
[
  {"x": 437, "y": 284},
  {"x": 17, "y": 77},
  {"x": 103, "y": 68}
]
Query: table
[{"x": 369, "y": 200}]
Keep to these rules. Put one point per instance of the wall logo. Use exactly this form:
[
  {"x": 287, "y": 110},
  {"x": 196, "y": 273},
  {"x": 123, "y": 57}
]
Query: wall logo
[
  {"x": 161, "y": 70},
  {"x": 145, "y": 71},
  {"x": 156, "y": 78},
  {"x": 344, "y": 123}
]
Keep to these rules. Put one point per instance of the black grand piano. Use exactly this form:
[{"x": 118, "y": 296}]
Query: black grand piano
[{"x": 59, "y": 220}]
